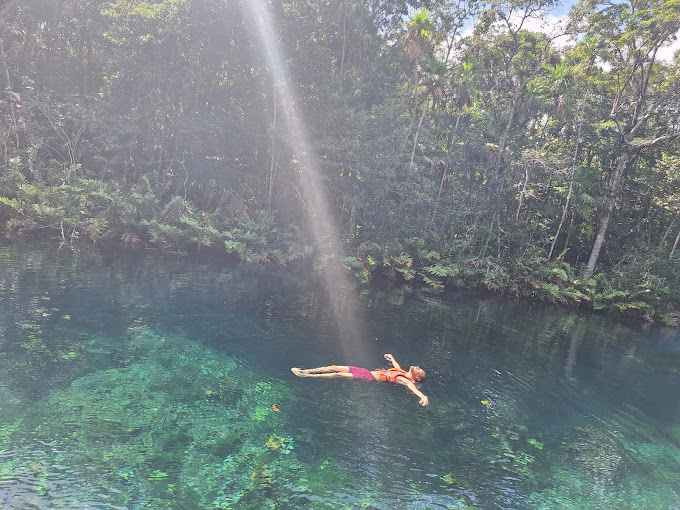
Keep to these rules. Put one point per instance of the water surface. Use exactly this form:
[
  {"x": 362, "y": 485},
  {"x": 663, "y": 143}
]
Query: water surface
[{"x": 138, "y": 383}]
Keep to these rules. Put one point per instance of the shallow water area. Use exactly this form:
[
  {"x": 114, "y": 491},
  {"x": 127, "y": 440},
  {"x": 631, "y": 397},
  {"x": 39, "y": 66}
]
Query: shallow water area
[{"x": 137, "y": 383}]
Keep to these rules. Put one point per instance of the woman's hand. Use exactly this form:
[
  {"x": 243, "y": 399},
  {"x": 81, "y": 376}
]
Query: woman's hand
[
  {"x": 391, "y": 359},
  {"x": 424, "y": 400}
]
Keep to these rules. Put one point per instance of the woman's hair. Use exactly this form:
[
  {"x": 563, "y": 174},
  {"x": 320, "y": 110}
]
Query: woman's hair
[{"x": 418, "y": 373}]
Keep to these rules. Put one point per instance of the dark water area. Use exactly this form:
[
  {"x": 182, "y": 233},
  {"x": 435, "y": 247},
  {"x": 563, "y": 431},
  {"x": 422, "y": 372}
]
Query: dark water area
[{"x": 139, "y": 383}]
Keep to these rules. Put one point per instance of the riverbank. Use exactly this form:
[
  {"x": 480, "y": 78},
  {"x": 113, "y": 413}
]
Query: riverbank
[{"x": 641, "y": 289}]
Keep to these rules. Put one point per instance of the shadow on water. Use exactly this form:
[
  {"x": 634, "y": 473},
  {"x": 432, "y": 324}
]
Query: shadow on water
[{"x": 139, "y": 383}]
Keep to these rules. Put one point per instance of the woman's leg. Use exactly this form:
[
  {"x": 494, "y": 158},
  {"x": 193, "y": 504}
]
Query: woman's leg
[
  {"x": 327, "y": 375},
  {"x": 329, "y": 371}
]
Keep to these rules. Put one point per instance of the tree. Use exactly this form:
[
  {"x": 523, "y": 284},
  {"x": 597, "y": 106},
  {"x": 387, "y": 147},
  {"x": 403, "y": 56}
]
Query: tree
[
  {"x": 629, "y": 36},
  {"x": 417, "y": 41},
  {"x": 566, "y": 83},
  {"x": 519, "y": 49}
]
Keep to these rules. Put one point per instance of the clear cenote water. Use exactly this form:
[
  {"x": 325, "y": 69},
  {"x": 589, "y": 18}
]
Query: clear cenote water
[{"x": 148, "y": 384}]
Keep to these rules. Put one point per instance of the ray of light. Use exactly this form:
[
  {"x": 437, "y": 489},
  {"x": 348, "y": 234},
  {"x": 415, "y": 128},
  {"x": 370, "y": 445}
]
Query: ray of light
[{"x": 318, "y": 211}]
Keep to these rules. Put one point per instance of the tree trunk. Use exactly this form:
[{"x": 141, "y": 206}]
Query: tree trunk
[
  {"x": 488, "y": 237},
  {"x": 272, "y": 156},
  {"x": 511, "y": 118},
  {"x": 621, "y": 163},
  {"x": 523, "y": 191},
  {"x": 675, "y": 244},
  {"x": 352, "y": 221},
  {"x": 577, "y": 150},
  {"x": 9, "y": 89},
  {"x": 446, "y": 166},
  {"x": 344, "y": 40},
  {"x": 88, "y": 66},
  {"x": 564, "y": 212},
  {"x": 569, "y": 231},
  {"x": 415, "y": 108},
  {"x": 415, "y": 136},
  {"x": 668, "y": 231}
]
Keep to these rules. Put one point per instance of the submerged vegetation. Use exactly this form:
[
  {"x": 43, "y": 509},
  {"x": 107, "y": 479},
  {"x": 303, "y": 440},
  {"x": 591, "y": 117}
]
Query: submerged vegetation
[
  {"x": 179, "y": 395},
  {"x": 457, "y": 146}
]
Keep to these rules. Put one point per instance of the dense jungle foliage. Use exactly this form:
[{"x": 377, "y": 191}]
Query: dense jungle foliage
[{"x": 454, "y": 146}]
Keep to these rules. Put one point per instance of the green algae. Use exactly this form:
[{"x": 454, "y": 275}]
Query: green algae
[
  {"x": 177, "y": 420},
  {"x": 156, "y": 413},
  {"x": 225, "y": 445},
  {"x": 536, "y": 443}
]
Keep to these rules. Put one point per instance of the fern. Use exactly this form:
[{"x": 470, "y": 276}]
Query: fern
[
  {"x": 190, "y": 222},
  {"x": 432, "y": 256},
  {"x": 253, "y": 237},
  {"x": 45, "y": 212},
  {"x": 634, "y": 305},
  {"x": 21, "y": 224},
  {"x": 433, "y": 282},
  {"x": 28, "y": 189},
  {"x": 407, "y": 273},
  {"x": 553, "y": 290},
  {"x": 560, "y": 274},
  {"x": 351, "y": 263},
  {"x": 166, "y": 236},
  {"x": 277, "y": 256},
  {"x": 299, "y": 252},
  {"x": 13, "y": 203},
  {"x": 175, "y": 210},
  {"x": 436, "y": 270},
  {"x": 574, "y": 294},
  {"x": 610, "y": 294},
  {"x": 95, "y": 227}
]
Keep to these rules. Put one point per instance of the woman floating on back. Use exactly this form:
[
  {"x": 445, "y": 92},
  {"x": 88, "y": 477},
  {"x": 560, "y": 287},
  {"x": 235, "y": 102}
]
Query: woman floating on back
[{"x": 396, "y": 374}]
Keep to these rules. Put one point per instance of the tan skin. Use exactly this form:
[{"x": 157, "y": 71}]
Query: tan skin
[{"x": 414, "y": 372}]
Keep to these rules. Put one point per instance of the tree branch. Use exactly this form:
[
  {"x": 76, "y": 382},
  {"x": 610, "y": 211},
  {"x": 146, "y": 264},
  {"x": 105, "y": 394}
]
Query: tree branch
[
  {"x": 655, "y": 141},
  {"x": 650, "y": 111}
]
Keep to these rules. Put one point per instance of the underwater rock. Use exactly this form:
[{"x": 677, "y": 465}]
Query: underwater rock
[
  {"x": 274, "y": 443},
  {"x": 168, "y": 454},
  {"x": 109, "y": 430},
  {"x": 225, "y": 446},
  {"x": 262, "y": 478},
  {"x": 162, "y": 461},
  {"x": 174, "y": 440}
]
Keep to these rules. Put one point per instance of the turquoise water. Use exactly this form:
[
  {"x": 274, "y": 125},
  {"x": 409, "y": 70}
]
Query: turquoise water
[{"x": 143, "y": 383}]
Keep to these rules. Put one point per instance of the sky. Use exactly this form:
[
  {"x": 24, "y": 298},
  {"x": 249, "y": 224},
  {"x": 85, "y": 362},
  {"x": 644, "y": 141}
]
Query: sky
[{"x": 557, "y": 17}]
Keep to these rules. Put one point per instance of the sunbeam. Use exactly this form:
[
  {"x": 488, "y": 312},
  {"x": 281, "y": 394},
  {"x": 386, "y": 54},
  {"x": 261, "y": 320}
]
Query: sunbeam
[{"x": 316, "y": 203}]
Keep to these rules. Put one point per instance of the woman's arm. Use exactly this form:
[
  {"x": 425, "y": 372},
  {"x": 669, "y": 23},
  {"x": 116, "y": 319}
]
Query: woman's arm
[
  {"x": 391, "y": 359},
  {"x": 423, "y": 398}
]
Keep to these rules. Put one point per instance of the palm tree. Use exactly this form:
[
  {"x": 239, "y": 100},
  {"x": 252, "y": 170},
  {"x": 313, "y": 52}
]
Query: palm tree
[
  {"x": 419, "y": 30},
  {"x": 563, "y": 85},
  {"x": 417, "y": 40},
  {"x": 432, "y": 81},
  {"x": 460, "y": 101}
]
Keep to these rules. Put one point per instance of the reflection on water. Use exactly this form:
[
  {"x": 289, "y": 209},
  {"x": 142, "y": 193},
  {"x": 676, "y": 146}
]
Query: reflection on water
[{"x": 163, "y": 384}]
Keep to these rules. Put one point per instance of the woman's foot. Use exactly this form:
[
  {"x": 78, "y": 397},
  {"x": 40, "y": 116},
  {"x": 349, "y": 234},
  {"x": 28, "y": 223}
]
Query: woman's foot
[{"x": 297, "y": 371}]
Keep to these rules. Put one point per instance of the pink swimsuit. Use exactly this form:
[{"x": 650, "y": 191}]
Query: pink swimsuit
[{"x": 361, "y": 373}]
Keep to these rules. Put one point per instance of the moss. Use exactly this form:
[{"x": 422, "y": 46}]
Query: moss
[
  {"x": 225, "y": 445},
  {"x": 260, "y": 413},
  {"x": 162, "y": 461},
  {"x": 274, "y": 443},
  {"x": 174, "y": 440},
  {"x": 158, "y": 476},
  {"x": 263, "y": 479},
  {"x": 536, "y": 443},
  {"x": 109, "y": 430}
]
